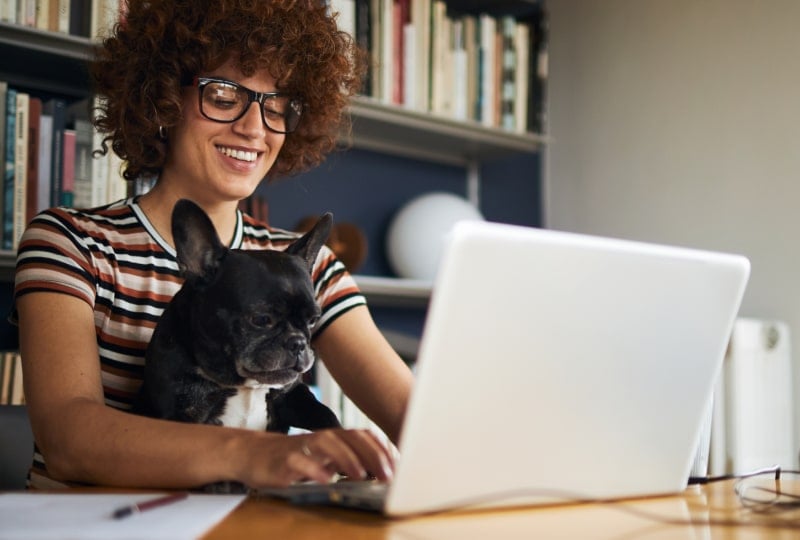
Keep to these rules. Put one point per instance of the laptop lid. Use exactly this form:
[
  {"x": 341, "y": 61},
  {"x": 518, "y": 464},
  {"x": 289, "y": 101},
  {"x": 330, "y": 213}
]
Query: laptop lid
[{"x": 556, "y": 366}]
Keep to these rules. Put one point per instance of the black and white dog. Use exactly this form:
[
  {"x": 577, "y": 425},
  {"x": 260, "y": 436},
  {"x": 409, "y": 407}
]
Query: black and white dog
[{"x": 233, "y": 344}]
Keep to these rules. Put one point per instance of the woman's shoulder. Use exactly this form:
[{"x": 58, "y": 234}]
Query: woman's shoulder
[
  {"x": 118, "y": 212},
  {"x": 111, "y": 224}
]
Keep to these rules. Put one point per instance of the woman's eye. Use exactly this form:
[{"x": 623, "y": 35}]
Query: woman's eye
[{"x": 220, "y": 103}]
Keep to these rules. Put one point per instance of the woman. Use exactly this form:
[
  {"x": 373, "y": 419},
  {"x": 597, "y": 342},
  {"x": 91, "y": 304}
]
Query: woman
[{"x": 210, "y": 98}]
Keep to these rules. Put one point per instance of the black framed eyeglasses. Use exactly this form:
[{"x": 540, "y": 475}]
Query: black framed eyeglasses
[{"x": 226, "y": 101}]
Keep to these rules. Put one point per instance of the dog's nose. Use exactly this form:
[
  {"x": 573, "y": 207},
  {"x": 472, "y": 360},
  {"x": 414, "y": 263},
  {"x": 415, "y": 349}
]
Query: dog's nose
[{"x": 296, "y": 345}]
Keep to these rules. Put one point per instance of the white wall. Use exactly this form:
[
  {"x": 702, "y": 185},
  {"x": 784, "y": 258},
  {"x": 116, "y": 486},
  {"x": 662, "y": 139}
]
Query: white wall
[{"x": 678, "y": 121}]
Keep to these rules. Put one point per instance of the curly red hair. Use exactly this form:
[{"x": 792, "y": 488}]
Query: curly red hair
[{"x": 160, "y": 45}]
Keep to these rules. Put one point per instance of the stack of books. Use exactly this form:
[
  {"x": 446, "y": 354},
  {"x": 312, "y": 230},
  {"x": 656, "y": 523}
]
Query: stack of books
[
  {"x": 469, "y": 67},
  {"x": 48, "y": 160}
]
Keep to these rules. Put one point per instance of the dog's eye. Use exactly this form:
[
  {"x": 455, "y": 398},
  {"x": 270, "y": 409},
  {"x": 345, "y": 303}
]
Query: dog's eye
[
  {"x": 262, "y": 321},
  {"x": 312, "y": 322}
]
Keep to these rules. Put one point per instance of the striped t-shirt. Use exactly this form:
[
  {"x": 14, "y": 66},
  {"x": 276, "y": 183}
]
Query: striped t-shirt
[{"x": 113, "y": 259}]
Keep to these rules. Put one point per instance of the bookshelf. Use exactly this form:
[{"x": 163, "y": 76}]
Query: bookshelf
[{"x": 54, "y": 64}]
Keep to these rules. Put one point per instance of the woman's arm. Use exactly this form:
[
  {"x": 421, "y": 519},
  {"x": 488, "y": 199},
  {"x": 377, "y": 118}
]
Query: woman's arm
[
  {"x": 84, "y": 440},
  {"x": 369, "y": 371}
]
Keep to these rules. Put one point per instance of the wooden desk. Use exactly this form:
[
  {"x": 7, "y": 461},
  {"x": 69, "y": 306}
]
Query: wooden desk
[{"x": 707, "y": 512}]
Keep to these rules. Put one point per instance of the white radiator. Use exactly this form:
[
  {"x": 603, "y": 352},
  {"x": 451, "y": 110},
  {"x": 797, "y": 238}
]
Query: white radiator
[{"x": 752, "y": 424}]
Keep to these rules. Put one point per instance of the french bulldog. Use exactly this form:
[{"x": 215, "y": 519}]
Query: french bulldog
[{"x": 232, "y": 346}]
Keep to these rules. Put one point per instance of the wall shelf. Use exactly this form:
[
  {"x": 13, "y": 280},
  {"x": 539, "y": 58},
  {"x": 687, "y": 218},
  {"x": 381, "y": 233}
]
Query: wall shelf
[
  {"x": 405, "y": 132},
  {"x": 395, "y": 292}
]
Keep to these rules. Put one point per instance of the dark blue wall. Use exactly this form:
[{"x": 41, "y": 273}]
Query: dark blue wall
[{"x": 367, "y": 188}]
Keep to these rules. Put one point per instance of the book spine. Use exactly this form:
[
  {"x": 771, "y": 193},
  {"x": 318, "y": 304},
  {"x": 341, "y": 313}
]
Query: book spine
[
  {"x": 508, "y": 75},
  {"x": 43, "y": 14},
  {"x": 3, "y": 93},
  {"x": 82, "y": 190},
  {"x": 5, "y": 378},
  {"x": 20, "y": 168},
  {"x": 8, "y": 11},
  {"x": 45, "y": 162},
  {"x": 99, "y": 165},
  {"x": 68, "y": 167},
  {"x": 80, "y": 16},
  {"x": 64, "y": 10},
  {"x": 522, "y": 75},
  {"x": 57, "y": 108},
  {"x": 364, "y": 39},
  {"x": 487, "y": 68},
  {"x": 32, "y": 187},
  {"x": 460, "y": 78},
  {"x": 8, "y": 187}
]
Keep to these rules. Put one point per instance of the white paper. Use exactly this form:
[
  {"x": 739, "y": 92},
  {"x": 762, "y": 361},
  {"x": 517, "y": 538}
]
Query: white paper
[{"x": 45, "y": 516}]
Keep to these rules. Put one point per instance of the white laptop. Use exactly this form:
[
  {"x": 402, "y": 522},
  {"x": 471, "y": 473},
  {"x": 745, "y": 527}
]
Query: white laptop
[{"x": 556, "y": 367}]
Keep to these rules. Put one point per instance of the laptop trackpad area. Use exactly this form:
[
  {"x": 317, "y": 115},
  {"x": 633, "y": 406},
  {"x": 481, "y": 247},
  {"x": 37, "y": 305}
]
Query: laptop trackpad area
[{"x": 363, "y": 495}]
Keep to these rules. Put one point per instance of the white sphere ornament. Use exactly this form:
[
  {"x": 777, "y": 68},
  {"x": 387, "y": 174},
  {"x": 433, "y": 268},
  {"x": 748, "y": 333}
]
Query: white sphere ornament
[{"x": 418, "y": 231}]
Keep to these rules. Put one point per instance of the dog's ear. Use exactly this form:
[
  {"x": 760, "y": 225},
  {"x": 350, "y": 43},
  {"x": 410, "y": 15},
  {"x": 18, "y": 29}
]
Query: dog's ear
[
  {"x": 197, "y": 245},
  {"x": 308, "y": 245}
]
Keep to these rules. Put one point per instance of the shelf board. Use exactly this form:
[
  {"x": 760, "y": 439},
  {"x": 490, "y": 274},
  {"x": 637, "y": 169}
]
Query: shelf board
[
  {"x": 392, "y": 129},
  {"x": 394, "y": 292},
  {"x": 45, "y": 61}
]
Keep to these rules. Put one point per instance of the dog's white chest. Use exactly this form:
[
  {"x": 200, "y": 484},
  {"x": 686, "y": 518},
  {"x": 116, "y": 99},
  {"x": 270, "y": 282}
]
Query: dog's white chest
[{"x": 247, "y": 408}]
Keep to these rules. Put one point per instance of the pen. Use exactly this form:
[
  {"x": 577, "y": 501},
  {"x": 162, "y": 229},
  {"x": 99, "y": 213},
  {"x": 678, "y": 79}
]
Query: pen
[{"x": 143, "y": 506}]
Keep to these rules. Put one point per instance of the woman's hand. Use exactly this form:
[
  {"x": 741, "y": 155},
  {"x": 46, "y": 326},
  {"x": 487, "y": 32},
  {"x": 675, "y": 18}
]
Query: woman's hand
[{"x": 280, "y": 460}]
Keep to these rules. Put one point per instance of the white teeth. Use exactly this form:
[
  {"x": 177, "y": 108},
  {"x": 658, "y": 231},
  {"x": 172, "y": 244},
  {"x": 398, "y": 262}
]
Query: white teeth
[{"x": 241, "y": 155}]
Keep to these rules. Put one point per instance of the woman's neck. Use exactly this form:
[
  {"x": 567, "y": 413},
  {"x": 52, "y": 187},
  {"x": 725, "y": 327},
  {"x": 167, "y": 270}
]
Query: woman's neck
[{"x": 157, "y": 204}]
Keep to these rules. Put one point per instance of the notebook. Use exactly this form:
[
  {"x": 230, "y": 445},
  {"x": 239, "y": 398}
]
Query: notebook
[{"x": 556, "y": 367}]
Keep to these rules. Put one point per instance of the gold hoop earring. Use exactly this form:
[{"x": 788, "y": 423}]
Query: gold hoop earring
[{"x": 162, "y": 133}]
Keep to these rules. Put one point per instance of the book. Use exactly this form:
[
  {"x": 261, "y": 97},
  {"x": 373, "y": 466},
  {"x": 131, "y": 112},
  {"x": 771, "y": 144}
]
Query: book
[
  {"x": 27, "y": 13},
  {"x": 80, "y": 17},
  {"x": 20, "y": 202},
  {"x": 3, "y": 92},
  {"x": 43, "y": 14},
  {"x": 459, "y": 108},
  {"x": 68, "y": 141},
  {"x": 57, "y": 109},
  {"x": 346, "y": 18},
  {"x": 53, "y": 15},
  {"x": 32, "y": 186},
  {"x": 8, "y": 11},
  {"x": 440, "y": 40},
  {"x": 363, "y": 39},
  {"x": 471, "y": 48},
  {"x": 421, "y": 43},
  {"x": 64, "y": 10},
  {"x": 508, "y": 73},
  {"x": 387, "y": 50},
  {"x": 99, "y": 166},
  {"x": 8, "y": 180},
  {"x": 45, "y": 157},
  {"x": 103, "y": 16},
  {"x": 16, "y": 391},
  {"x": 5, "y": 378},
  {"x": 401, "y": 14},
  {"x": 375, "y": 52},
  {"x": 84, "y": 136},
  {"x": 486, "y": 100},
  {"x": 522, "y": 75}
]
